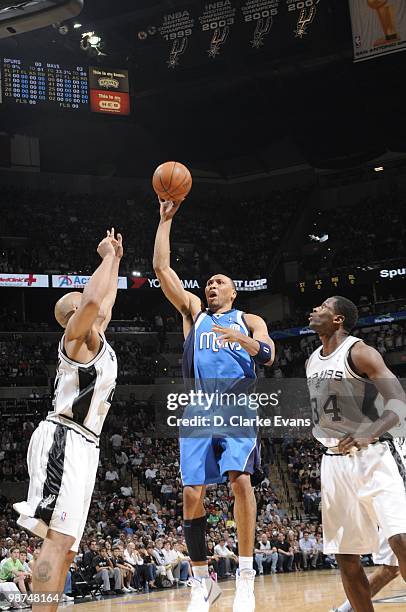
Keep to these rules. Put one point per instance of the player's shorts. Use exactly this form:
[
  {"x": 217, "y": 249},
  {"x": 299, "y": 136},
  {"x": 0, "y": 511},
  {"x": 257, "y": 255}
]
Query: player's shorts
[
  {"x": 62, "y": 464},
  {"x": 385, "y": 555},
  {"x": 358, "y": 493},
  {"x": 207, "y": 460}
]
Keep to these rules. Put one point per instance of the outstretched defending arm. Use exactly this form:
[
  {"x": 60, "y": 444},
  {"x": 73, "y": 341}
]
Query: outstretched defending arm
[
  {"x": 184, "y": 301},
  {"x": 109, "y": 301},
  {"x": 81, "y": 322}
]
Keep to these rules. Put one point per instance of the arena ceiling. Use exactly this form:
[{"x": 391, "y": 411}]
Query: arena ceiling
[{"x": 294, "y": 101}]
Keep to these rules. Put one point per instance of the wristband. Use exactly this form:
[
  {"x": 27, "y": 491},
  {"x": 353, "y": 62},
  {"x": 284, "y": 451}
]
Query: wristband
[{"x": 264, "y": 354}]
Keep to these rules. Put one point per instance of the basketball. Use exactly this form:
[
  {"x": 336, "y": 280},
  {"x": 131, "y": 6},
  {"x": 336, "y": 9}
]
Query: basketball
[{"x": 172, "y": 181}]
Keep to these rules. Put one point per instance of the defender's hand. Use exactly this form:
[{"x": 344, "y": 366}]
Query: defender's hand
[
  {"x": 117, "y": 243},
  {"x": 348, "y": 443},
  {"x": 106, "y": 247}
]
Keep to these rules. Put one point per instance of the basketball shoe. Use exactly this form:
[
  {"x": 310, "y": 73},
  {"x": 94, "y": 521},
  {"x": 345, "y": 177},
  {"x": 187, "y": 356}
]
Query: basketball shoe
[
  {"x": 244, "y": 600},
  {"x": 204, "y": 593}
]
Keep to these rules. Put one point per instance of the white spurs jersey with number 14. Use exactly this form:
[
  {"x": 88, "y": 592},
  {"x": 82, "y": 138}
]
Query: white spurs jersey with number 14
[
  {"x": 342, "y": 401},
  {"x": 83, "y": 392}
]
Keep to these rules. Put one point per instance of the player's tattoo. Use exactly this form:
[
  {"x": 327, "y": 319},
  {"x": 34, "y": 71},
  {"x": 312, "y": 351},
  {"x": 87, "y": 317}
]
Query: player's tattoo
[{"x": 42, "y": 571}]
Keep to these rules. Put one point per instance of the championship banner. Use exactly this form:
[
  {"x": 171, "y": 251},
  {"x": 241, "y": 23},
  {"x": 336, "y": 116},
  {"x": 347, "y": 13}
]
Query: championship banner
[
  {"x": 24, "y": 280},
  {"x": 109, "y": 91},
  {"x": 65, "y": 281},
  {"x": 217, "y": 19},
  {"x": 176, "y": 29},
  {"x": 140, "y": 282},
  {"x": 378, "y": 27}
]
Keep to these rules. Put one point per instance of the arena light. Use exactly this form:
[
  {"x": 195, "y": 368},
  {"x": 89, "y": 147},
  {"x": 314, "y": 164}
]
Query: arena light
[
  {"x": 92, "y": 43},
  {"x": 322, "y": 238},
  {"x": 379, "y": 169}
]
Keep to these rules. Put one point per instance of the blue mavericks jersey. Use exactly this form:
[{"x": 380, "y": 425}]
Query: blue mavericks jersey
[{"x": 204, "y": 359}]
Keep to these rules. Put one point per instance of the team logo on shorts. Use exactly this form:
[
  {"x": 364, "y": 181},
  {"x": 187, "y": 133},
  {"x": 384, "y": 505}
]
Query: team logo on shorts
[
  {"x": 47, "y": 501},
  {"x": 63, "y": 516}
]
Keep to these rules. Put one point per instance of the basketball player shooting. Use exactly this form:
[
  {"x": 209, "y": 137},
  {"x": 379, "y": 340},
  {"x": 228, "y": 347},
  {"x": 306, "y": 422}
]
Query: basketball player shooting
[
  {"x": 357, "y": 405},
  {"x": 63, "y": 454},
  {"x": 221, "y": 343}
]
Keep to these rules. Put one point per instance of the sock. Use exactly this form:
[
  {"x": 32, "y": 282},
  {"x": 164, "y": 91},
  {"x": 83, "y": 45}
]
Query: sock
[
  {"x": 200, "y": 571},
  {"x": 245, "y": 563},
  {"x": 345, "y": 607}
]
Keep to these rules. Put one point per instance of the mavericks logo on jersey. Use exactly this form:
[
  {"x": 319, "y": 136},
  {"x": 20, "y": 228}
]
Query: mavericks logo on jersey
[{"x": 208, "y": 341}]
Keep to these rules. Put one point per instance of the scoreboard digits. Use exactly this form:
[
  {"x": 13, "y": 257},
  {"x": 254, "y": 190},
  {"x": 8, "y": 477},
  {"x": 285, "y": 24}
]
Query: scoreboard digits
[
  {"x": 44, "y": 83},
  {"x": 52, "y": 85}
]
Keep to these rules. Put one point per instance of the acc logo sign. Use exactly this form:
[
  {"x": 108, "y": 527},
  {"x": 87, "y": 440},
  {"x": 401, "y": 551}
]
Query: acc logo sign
[{"x": 71, "y": 281}]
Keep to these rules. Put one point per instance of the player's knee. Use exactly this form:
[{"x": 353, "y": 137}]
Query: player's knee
[
  {"x": 398, "y": 545},
  {"x": 191, "y": 495},
  {"x": 70, "y": 556},
  {"x": 61, "y": 541},
  {"x": 349, "y": 564},
  {"x": 389, "y": 572},
  {"x": 241, "y": 485}
]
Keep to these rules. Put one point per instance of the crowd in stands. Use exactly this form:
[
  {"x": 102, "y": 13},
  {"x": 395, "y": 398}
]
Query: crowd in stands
[
  {"x": 134, "y": 538},
  {"x": 49, "y": 232},
  {"x": 30, "y": 360},
  {"x": 373, "y": 230}
]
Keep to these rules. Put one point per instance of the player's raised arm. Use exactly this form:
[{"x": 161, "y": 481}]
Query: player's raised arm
[
  {"x": 109, "y": 301},
  {"x": 184, "y": 301},
  {"x": 96, "y": 290}
]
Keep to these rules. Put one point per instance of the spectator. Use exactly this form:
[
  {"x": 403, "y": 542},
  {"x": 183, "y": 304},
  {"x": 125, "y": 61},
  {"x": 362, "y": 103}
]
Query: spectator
[
  {"x": 308, "y": 551},
  {"x": 266, "y": 556},
  {"x": 227, "y": 560},
  {"x": 104, "y": 571}
]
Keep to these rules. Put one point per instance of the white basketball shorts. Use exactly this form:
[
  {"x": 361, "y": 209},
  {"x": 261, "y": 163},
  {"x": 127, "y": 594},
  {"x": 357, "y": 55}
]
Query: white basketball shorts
[
  {"x": 62, "y": 464},
  {"x": 360, "y": 492},
  {"x": 385, "y": 555}
]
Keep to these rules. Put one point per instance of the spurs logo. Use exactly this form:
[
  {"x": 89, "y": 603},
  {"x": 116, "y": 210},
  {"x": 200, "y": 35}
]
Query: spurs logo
[
  {"x": 47, "y": 501},
  {"x": 262, "y": 29},
  {"x": 178, "y": 47},
  {"x": 306, "y": 17},
  {"x": 219, "y": 38}
]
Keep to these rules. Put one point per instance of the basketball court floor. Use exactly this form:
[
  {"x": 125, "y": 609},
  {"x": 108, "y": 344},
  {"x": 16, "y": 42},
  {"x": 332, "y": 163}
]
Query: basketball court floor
[{"x": 299, "y": 592}]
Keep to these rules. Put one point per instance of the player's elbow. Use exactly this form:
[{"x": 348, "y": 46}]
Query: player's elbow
[
  {"x": 159, "y": 267},
  {"x": 92, "y": 305}
]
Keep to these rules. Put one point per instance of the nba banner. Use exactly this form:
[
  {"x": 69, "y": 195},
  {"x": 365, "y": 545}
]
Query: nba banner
[{"x": 378, "y": 27}]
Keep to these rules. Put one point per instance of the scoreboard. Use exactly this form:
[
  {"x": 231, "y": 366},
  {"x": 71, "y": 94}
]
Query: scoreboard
[{"x": 52, "y": 85}]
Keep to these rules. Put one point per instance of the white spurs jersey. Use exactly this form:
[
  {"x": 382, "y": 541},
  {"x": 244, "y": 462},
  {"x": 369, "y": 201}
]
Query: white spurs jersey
[
  {"x": 342, "y": 401},
  {"x": 83, "y": 392}
]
